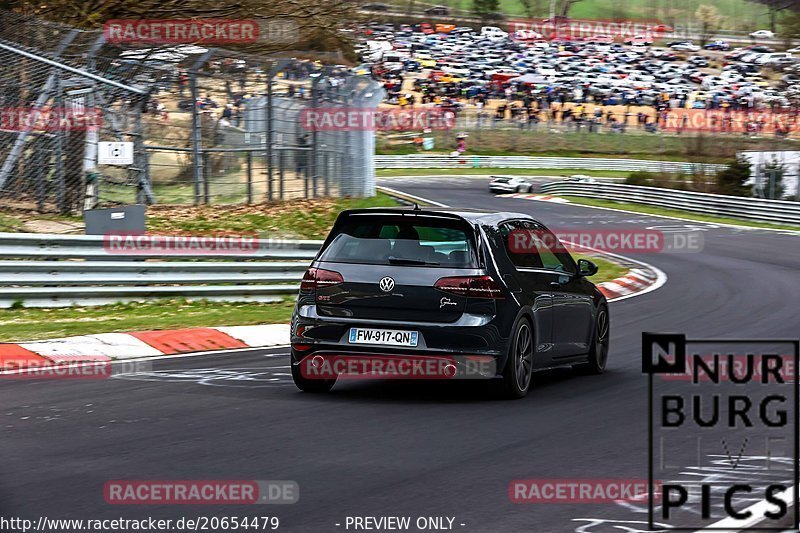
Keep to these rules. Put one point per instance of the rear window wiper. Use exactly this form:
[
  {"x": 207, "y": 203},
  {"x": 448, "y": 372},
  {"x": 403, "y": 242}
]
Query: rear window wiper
[{"x": 407, "y": 261}]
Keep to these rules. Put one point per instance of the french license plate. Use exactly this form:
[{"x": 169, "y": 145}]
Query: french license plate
[{"x": 390, "y": 337}]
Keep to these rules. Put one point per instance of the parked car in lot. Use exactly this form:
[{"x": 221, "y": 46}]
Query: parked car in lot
[
  {"x": 505, "y": 184},
  {"x": 462, "y": 30},
  {"x": 437, "y": 10},
  {"x": 493, "y": 33},
  {"x": 685, "y": 46},
  {"x": 698, "y": 61},
  {"x": 443, "y": 284},
  {"x": 527, "y": 35},
  {"x": 662, "y": 28},
  {"x": 639, "y": 40},
  {"x": 762, "y": 34},
  {"x": 718, "y": 45},
  {"x": 600, "y": 39}
]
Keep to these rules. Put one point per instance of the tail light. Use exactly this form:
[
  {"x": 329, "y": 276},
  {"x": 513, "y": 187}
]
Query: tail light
[
  {"x": 471, "y": 286},
  {"x": 319, "y": 277}
]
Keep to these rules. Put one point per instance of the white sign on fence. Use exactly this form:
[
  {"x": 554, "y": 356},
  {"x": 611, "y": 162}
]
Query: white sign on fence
[{"x": 114, "y": 153}]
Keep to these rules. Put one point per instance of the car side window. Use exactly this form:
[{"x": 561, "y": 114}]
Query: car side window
[
  {"x": 517, "y": 245},
  {"x": 554, "y": 255}
]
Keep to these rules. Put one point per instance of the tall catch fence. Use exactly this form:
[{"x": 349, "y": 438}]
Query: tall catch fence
[{"x": 207, "y": 125}]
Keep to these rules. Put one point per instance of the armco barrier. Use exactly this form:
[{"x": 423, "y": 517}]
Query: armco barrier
[
  {"x": 42, "y": 270},
  {"x": 755, "y": 209},
  {"x": 586, "y": 163}
]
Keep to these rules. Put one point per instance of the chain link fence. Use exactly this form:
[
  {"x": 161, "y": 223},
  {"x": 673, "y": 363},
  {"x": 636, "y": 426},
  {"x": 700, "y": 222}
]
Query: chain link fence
[{"x": 206, "y": 125}]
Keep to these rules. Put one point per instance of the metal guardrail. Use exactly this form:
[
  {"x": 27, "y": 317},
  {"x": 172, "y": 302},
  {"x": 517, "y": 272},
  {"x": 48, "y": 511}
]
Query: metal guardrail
[
  {"x": 755, "y": 209},
  {"x": 585, "y": 163},
  {"x": 44, "y": 270},
  {"x": 55, "y": 246}
]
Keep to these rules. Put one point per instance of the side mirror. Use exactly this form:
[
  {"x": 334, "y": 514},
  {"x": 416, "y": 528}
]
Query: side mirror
[{"x": 586, "y": 268}]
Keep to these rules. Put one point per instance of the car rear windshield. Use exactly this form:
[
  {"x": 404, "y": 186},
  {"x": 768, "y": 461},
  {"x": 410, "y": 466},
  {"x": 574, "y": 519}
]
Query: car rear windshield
[{"x": 403, "y": 240}]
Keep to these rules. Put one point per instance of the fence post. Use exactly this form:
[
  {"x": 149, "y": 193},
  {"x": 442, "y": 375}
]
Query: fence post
[
  {"x": 197, "y": 139},
  {"x": 326, "y": 169},
  {"x": 269, "y": 130},
  {"x": 206, "y": 175},
  {"x": 197, "y": 126},
  {"x": 314, "y": 136},
  {"x": 61, "y": 186},
  {"x": 281, "y": 170},
  {"x": 249, "y": 177}
]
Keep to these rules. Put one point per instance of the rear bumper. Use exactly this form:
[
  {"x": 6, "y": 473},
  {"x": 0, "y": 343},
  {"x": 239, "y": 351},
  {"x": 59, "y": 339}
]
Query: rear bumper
[
  {"x": 471, "y": 335},
  {"x": 331, "y": 364}
]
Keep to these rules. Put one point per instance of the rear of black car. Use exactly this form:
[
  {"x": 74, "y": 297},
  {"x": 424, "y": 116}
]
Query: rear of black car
[{"x": 399, "y": 283}]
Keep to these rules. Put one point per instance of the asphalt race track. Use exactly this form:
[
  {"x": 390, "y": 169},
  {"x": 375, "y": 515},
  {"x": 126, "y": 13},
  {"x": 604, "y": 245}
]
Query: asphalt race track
[{"x": 393, "y": 449}]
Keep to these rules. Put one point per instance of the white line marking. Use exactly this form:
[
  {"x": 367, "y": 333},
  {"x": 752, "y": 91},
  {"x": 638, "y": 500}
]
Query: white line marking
[
  {"x": 412, "y": 196},
  {"x": 696, "y": 221}
]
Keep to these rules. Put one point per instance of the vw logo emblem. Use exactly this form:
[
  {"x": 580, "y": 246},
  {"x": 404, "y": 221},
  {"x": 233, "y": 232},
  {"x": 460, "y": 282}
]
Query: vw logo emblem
[{"x": 386, "y": 284}]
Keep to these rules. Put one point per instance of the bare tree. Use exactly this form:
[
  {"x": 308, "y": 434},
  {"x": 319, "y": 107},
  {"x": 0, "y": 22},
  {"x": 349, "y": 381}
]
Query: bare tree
[
  {"x": 532, "y": 8},
  {"x": 564, "y": 6},
  {"x": 318, "y": 21},
  {"x": 710, "y": 21},
  {"x": 777, "y": 6}
]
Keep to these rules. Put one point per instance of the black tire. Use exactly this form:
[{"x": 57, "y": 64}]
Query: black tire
[
  {"x": 598, "y": 351},
  {"x": 518, "y": 373},
  {"x": 310, "y": 385},
  {"x": 520, "y": 188}
]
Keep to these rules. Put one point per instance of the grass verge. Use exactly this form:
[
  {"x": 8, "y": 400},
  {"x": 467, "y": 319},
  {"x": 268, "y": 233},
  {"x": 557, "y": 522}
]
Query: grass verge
[
  {"x": 652, "y": 210},
  {"x": 388, "y": 172},
  {"x": 311, "y": 219},
  {"x": 607, "y": 270},
  {"x": 10, "y": 224}
]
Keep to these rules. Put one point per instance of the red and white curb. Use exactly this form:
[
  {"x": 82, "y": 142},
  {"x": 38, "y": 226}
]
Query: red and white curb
[
  {"x": 140, "y": 344},
  {"x": 537, "y": 197},
  {"x": 637, "y": 280}
]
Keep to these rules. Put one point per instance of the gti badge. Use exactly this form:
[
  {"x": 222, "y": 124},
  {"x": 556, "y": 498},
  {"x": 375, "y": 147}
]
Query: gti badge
[
  {"x": 446, "y": 301},
  {"x": 386, "y": 284}
]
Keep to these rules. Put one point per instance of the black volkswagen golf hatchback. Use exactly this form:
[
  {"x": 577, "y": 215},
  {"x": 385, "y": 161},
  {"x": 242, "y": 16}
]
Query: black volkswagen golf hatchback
[{"x": 451, "y": 285}]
